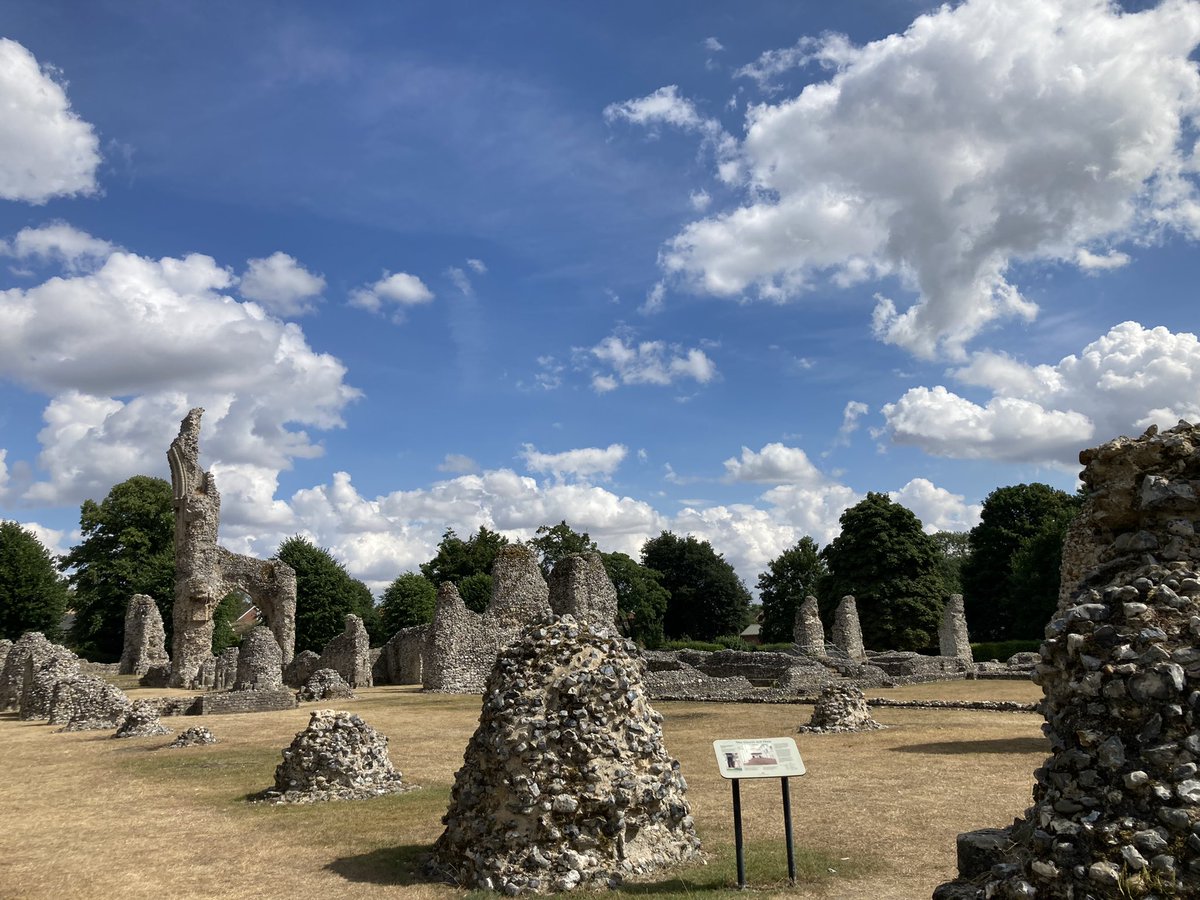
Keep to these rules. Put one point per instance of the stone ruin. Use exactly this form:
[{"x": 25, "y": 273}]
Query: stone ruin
[
  {"x": 145, "y": 639},
  {"x": 205, "y": 573},
  {"x": 847, "y": 633},
  {"x": 337, "y": 757},
  {"x": 12, "y": 676},
  {"x": 1116, "y": 806},
  {"x": 195, "y": 736},
  {"x": 301, "y": 668},
  {"x": 141, "y": 721},
  {"x": 44, "y": 667},
  {"x": 225, "y": 669},
  {"x": 840, "y": 708},
  {"x": 807, "y": 632},
  {"x": 324, "y": 684},
  {"x": 402, "y": 658},
  {"x": 566, "y": 781},
  {"x": 349, "y": 654},
  {"x": 259, "y": 662},
  {"x": 87, "y": 703},
  {"x": 579, "y": 586},
  {"x": 5, "y": 646},
  {"x": 953, "y": 640}
]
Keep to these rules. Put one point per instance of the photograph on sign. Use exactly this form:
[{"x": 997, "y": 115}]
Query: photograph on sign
[{"x": 758, "y": 758}]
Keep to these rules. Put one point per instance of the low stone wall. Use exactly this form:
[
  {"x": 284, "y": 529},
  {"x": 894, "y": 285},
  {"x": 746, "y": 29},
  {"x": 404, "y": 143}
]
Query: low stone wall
[
  {"x": 401, "y": 660},
  {"x": 349, "y": 654},
  {"x": 243, "y": 702}
]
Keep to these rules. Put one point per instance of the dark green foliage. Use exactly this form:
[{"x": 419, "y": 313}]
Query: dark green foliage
[
  {"x": 458, "y": 560},
  {"x": 1010, "y": 516},
  {"x": 790, "y": 577},
  {"x": 408, "y": 601},
  {"x": 128, "y": 548},
  {"x": 954, "y": 547},
  {"x": 706, "y": 596},
  {"x": 33, "y": 596},
  {"x": 325, "y": 595},
  {"x": 688, "y": 644},
  {"x": 641, "y": 598},
  {"x": 1034, "y": 580},
  {"x": 890, "y": 566},
  {"x": 476, "y": 591},
  {"x": 231, "y": 606},
  {"x": 1002, "y": 650},
  {"x": 552, "y": 544}
]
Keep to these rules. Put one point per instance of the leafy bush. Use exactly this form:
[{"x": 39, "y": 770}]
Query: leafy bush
[
  {"x": 1002, "y": 650},
  {"x": 689, "y": 644},
  {"x": 781, "y": 647}
]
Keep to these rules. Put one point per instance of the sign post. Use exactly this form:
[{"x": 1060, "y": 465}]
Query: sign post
[{"x": 759, "y": 758}]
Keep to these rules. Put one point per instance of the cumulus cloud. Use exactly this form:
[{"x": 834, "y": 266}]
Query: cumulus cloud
[
  {"x": 59, "y": 243},
  {"x": 584, "y": 462},
  {"x": 458, "y": 463},
  {"x": 1093, "y": 262},
  {"x": 627, "y": 362},
  {"x": 124, "y": 351},
  {"x": 853, "y": 411},
  {"x": 1127, "y": 379},
  {"x": 46, "y": 150},
  {"x": 989, "y": 132},
  {"x": 773, "y": 464},
  {"x": 937, "y": 508},
  {"x": 397, "y": 292},
  {"x": 282, "y": 285},
  {"x": 666, "y": 106}
]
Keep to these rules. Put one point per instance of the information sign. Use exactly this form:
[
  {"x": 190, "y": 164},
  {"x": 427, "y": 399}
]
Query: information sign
[{"x": 758, "y": 758}]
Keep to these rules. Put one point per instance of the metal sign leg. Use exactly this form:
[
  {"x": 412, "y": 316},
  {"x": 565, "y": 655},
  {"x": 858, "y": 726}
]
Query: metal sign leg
[
  {"x": 787, "y": 831},
  {"x": 737, "y": 834}
]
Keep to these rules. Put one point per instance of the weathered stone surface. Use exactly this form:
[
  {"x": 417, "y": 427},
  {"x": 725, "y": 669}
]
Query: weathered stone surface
[
  {"x": 953, "y": 639},
  {"x": 402, "y": 659},
  {"x": 847, "y": 633},
  {"x": 5, "y": 646},
  {"x": 1120, "y": 671},
  {"x": 580, "y": 587},
  {"x": 337, "y": 757},
  {"x": 905, "y": 663},
  {"x": 193, "y": 737},
  {"x": 324, "y": 684},
  {"x": 141, "y": 721},
  {"x": 566, "y": 780},
  {"x": 145, "y": 638},
  {"x": 87, "y": 703},
  {"x": 259, "y": 662},
  {"x": 349, "y": 654},
  {"x": 205, "y": 573},
  {"x": 42, "y": 671},
  {"x": 225, "y": 669},
  {"x": 807, "y": 632},
  {"x": 12, "y": 676},
  {"x": 218, "y": 703},
  {"x": 300, "y": 669},
  {"x": 462, "y": 645},
  {"x": 156, "y": 677},
  {"x": 840, "y": 708}
]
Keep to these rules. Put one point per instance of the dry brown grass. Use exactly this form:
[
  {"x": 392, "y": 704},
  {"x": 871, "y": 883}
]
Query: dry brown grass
[{"x": 87, "y": 816}]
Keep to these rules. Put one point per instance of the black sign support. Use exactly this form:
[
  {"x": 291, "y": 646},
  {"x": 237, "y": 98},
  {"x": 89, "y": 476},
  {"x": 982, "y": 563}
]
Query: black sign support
[{"x": 737, "y": 832}]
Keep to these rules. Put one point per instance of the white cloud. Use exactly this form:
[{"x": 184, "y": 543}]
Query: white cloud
[
  {"x": 46, "y": 150},
  {"x": 654, "y": 300},
  {"x": 477, "y": 266},
  {"x": 1093, "y": 262},
  {"x": 854, "y": 411},
  {"x": 989, "y": 132},
  {"x": 700, "y": 200},
  {"x": 123, "y": 353},
  {"x": 582, "y": 463},
  {"x": 1127, "y": 379},
  {"x": 460, "y": 280},
  {"x": 458, "y": 464},
  {"x": 937, "y": 508},
  {"x": 60, "y": 243},
  {"x": 281, "y": 284},
  {"x": 713, "y": 45},
  {"x": 646, "y": 362},
  {"x": 400, "y": 291},
  {"x": 773, "y": 464},
  {"x": 666, "y": 107}
]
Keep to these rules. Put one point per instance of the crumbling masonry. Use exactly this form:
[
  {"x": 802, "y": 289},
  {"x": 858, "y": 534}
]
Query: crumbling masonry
[
  {"x": 205, "y": 573},
  {"x": 145, "y": 639}
]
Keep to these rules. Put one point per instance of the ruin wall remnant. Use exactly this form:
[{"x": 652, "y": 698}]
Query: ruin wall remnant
[
  {"x": 349, "y": 654},
  {"x": 205, "y": 573},
  {"x": 580, "y": 587},
  {"x": 807, "y": 632},
  {"x": 847, "y": 633},
  {"x": 145, "y": 639},
  {"x": 953, "y": 639}
]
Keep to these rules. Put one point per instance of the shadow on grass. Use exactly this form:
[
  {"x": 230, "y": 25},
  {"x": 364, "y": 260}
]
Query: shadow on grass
[
  {"x": 396, "y": 866},
  {"x": 995, "y": 745}
]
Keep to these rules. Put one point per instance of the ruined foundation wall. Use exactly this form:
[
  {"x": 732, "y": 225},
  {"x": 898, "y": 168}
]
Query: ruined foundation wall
[
  {"x": 402, "y": 658},
  {"x": 349, "y": 654},
  {"x": 807, "y": 632},
  {"x": 580, "y": 587},
  {"x": 145, "y": 638},
  {"x": 953, "y": 639},
  {"x": 847, "y": 633}
]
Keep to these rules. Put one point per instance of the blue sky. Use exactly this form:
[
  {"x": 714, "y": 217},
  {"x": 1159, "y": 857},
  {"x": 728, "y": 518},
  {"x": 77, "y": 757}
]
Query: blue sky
[{"x": 642, "y": 267}]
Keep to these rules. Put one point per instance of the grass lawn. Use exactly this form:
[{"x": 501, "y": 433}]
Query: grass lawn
[{"x": 875, "y": 817}]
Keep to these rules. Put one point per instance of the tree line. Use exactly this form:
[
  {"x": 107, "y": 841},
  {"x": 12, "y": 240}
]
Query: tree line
[{"x": 680, "y": 587}]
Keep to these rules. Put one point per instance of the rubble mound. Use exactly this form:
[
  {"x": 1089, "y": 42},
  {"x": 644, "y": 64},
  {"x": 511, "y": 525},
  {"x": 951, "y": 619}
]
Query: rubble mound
[
  {"x": 337, "y": 757},
  {"x": 141, "y": 721},
  {"x": 43, "y": 670},
  {"x": 325, "y": 684},
  {"x": 87, "y": 703},
  {"x": 566, "y": 781},
  {"x": 193, "y": 737},
  {"x": 840, "y": 708},
  {"x": 12, "y": 676}
]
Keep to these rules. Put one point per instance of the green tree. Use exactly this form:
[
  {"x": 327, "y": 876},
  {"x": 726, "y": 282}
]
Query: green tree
[
  {"x": 232, "y": 605},
  {"x": 33, "y": 595},
  {"x": 1034, "y": 579},
  {"x": 325, "y": 594},
  {"x": 552, "y": 544},
  {"x": 466, "y": 564},
  {"x": 1010, "y": 516},
  {"x": 128, "y": 548},
  {"x": 641, "y": 598},
  {"x": 954, "y": 547},
  {"x": 706, "y": 596},
  {"x": 890, "y": 566},
  {"x": 408, "y": 601},
  {"x": 790, "y": 577}
]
